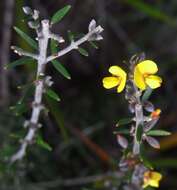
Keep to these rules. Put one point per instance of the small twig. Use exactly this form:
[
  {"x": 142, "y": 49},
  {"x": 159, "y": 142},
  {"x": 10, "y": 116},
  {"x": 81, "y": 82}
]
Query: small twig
[{"x": 74, "y": 45}]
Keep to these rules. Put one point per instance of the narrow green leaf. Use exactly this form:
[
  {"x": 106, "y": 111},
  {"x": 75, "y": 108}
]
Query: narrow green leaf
[
  {"x": 54, "y": 46},
  {"x": 19, "y": 109},
  {"x": 121, "y": 130},
  {"x": 58, "y": 116},
  {"x": 147, "y": 94},
  {"x": 139, "y": 132},
  {"x": 124, "y": 121},
  {"x": 158, "y": 133},
  {"x": 27, "y": 38},
  {"x": 52, "y": 94},
  {"x": 93, "y": 44},
  {"x": 83, "y": 52},
  {"x": 144, "y": 159},
  {"x": 21, "y": 61},
  {"x": 42, "y": 143},
  {"x": 60, "y": 14},
  {"x": 70, "y": 35},
  {"x": 61, "y": 69}
]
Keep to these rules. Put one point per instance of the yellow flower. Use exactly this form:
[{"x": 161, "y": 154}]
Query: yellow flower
[
  {"x": 144, "y": 75},
  {"x": 118, "y": 79},
  {"x": 151, "y": 179}
]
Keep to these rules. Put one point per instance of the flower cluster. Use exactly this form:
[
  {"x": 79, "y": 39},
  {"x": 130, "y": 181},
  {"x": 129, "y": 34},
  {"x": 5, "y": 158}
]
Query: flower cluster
[
  {"x": 143, "y": 76},
  {"x": 139, "y": 83}
]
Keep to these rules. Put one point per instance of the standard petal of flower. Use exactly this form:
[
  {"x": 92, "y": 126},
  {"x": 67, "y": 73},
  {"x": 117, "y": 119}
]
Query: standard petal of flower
[
  {"x": 153, "y": 81},
  {"x": 139, "y": 79},
  {"x": 117, "y": 71},
  {"x": 110, "y": 82},
  {"x": 156, "y": 176},
  {"x": 122, "y": 84},
  {"x": 147, "y": 67}
]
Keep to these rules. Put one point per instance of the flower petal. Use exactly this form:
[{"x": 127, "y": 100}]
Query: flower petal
[
  {"x": 153, "y": 81},
  {"x": 139, "y": 79},
  {"x": 117, "y": 71},
  {"x": 147, "y": 67},
  {"x": 156, "y": 176},
  {"x": 110, "y": 82},
  {"x": 122, "y": 84},
  {"x": 154, "y": 183}
]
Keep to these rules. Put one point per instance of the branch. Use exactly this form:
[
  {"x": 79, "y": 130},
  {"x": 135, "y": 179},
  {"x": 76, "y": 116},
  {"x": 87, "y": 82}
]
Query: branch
[
  {"x": 44, "y": 35},
  {"x": 93, "y": 34},
  {"x": 37, "y": 104}
]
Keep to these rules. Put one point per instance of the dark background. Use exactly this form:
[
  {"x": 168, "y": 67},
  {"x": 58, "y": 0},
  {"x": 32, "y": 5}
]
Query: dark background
[{"x": 79, "y": 128}]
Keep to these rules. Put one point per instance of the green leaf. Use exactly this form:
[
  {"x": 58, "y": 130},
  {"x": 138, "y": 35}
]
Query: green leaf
[
  {"x": 93, "y": 45},
  {"x": 147, "y": 94},
  {"x": 158, "y": 133},
  {"x": 83, "y": 52},
  {"x": 54, "y": 46},
  {"x": 52, "y": 94},
  {"x": 121, "y": 130},
  {"x": 58, "y": 116},
  {"x": 27, "y": 38},
  {"x": 60, "y": 14},
  {"x": 21, "y": 61},
  {"x": 61, "y": 69},
  {"x": 19, "y": 109},
  {"x": 151, "y": 11},
  {"x": 70, "y": 35},
  {"x": 124, "y": 121},
  {"x": 139, "y": 132},
  {"x": 42, "y": 143},
  {"x": 144, "y": 159}
]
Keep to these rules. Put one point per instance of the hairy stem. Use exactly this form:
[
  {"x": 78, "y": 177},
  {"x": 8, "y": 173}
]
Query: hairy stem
[{"x": 37, "y": 104}]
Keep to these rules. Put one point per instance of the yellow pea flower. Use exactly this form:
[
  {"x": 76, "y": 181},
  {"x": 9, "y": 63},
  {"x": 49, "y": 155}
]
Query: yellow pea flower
[
  {"x": 151, "y": 178},
  {"x": 118, "y": 79},
  {"x": 144, "y": 75}
]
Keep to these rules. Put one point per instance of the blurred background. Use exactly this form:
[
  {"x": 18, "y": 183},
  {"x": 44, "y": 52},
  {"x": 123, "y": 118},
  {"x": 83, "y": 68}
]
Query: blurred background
[{"x": 76, "y": 140}]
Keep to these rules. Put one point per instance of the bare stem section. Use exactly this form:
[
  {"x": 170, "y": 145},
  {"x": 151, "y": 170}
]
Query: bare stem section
[{"x": 44, "y": 35}]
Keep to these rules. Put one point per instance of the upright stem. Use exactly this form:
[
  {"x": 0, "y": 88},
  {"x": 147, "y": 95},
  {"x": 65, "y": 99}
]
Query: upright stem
[
  {"x": 43, "y": 37},
  {"x": 139, "y": 120}
]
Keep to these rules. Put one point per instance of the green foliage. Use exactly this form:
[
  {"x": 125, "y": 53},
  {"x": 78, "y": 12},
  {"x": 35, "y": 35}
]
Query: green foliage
[
  {"x": 57, "y": 65},
  {"x": 42, "y": 143},
  {"x": 21, "y": 61},
  {"x": 139, "y": 133},
  {"x": 61, "y": 69},
  {"x": 27, "y": 38},
  {"x": 52, "y": 94},
  {"x": 144, "y": 159},
  {"x": 124, "y": 121},
  {"x": 158, "y": 133},
  {"x": 83, "y": 52},
  {"x": 60, "y": 14},
  {"x": 57, "y": 114}
]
